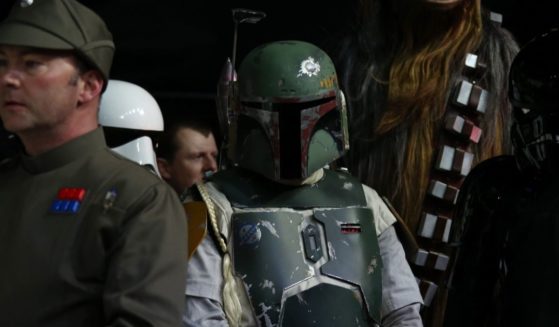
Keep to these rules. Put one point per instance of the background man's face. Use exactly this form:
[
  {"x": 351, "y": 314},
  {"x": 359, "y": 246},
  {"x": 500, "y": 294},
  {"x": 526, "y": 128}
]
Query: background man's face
[{"x": 196, "y": 155}]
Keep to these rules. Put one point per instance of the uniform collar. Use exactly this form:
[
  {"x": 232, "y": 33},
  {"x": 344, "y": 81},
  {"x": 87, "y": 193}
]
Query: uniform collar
[{"x": 71, "y": 151}]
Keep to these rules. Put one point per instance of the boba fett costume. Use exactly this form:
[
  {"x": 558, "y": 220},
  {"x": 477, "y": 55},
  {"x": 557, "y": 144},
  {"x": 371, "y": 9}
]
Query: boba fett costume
[{"x": 291, "y": 243}]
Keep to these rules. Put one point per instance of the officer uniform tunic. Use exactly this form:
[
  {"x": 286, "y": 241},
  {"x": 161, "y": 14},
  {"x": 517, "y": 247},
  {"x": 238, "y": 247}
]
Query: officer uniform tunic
[{"x": 89, "y": 238}]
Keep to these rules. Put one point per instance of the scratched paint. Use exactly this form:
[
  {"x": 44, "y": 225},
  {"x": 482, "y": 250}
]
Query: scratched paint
[
  {"x": 301, "y": 299},
  {"x": 310, "y": 272},
  {"x": 264, "y": 308},
  {"x": 309, "y": 67},
  {"x": 309, "y": 117},
  {"x": 348, "y": 186},
  {"x": 270, "y": 125},
  {"x": 357, "y": 322},
  {"x": 293, "y": 273},
  {"x": 331, "y": 251},
  {"x": 270, "y": 227},
  {"x": 268, "y": 284},
  {"x": 372, "y": 266}
]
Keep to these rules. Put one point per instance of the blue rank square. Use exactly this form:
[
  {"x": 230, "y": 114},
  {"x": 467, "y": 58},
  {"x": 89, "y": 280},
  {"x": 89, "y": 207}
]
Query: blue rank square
[
  {"x": 57, "y": 206},
  {"x": 73, "y": 206},
  {"x": 65, "y": 206}
]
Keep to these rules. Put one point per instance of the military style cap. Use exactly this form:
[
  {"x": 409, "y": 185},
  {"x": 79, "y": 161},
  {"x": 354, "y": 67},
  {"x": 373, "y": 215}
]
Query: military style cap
[{"x": 60, "y": 25}]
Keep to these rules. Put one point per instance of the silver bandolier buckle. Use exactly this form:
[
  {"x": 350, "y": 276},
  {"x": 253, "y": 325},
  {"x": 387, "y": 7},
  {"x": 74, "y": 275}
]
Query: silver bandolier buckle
[
  {"x": 428, "y": 290},
  {"x": 455, "y": 160},
  {"x": 435, "y": 227},
  {"x": 470, "y": 96},
  {"x": 462, "y": 126},
  {"x": 431, "y": 259},
  {"x": 443, "y": 191}
]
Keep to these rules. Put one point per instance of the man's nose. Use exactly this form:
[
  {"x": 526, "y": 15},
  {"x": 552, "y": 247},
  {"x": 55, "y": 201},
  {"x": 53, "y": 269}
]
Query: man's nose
[
  {"x": 210, "y": 167},
  {"x": 10, "y": 76},
  {"x": 210, "y": 164}
]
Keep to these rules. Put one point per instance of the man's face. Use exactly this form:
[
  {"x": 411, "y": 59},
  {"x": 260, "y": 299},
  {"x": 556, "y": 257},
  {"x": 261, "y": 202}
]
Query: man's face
[
  {"x": 37, "y": 88},
  {"x": 196, "y": 155}
]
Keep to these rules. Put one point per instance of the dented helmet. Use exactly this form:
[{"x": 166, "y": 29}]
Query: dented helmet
[{"x": 290, "y": 116}]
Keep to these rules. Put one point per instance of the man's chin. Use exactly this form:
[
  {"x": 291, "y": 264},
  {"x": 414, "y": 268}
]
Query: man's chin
[{"x": 15, "y": 126}]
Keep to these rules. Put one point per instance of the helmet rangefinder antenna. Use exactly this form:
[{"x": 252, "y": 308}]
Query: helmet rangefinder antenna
[
  {"x": 227, "y": 80},
  {"x": 240, "y": 16}
]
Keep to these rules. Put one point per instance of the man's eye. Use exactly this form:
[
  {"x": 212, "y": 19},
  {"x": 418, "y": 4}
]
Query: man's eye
[{"x": 32, "y": 64}]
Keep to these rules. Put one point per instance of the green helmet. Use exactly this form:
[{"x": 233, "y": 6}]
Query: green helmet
[{"x": 290, "y": 117}]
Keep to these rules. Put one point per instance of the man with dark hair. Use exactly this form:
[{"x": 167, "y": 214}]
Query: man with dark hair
[
  {"x": 87, "y": 238},
  {"x": 186, "y": 153}
]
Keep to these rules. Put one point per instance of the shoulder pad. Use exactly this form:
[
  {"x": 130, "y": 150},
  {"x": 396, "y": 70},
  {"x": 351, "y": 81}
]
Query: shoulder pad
[{"x": 197, "y": 215}]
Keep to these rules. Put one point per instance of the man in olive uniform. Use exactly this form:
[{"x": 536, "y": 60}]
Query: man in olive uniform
[
  {"x": 292, "y": 243},
  {"x": 87, "y": 238}
]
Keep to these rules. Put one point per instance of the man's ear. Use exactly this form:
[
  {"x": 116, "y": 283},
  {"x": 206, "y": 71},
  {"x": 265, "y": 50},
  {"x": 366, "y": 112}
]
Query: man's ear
[
  {"x": 164, "y": 168},
  {"x": 92, "y": 86}
]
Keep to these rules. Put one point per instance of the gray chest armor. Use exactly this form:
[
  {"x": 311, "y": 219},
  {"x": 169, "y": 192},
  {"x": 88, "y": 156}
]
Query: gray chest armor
[{"x": 308, "y": 255}]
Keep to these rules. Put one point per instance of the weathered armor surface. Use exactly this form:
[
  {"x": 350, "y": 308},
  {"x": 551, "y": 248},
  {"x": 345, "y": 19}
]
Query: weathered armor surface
[{"x": 309, "y": 256}]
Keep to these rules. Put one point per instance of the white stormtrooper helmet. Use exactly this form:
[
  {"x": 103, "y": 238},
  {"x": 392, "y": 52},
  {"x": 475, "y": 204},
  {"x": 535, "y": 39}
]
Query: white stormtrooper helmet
[{"x": 130, "y": 116}]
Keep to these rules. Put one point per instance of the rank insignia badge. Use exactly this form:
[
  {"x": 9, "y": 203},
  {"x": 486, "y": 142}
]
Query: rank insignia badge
[
  {"x": 109, "y": 199},
  {"x": 68, "y": 200}
]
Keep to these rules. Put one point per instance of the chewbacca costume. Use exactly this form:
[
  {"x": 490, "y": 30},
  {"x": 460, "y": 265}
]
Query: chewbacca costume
[{"x": 426, "y": 87}]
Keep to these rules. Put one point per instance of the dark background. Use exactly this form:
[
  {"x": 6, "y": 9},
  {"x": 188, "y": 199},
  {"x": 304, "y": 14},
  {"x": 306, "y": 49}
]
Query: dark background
[{"x": 176, "y": 48}]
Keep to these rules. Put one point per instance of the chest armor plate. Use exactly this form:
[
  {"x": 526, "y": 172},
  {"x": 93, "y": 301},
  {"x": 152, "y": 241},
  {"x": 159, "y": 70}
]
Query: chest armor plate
[{"x": 319, "y": 269}]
